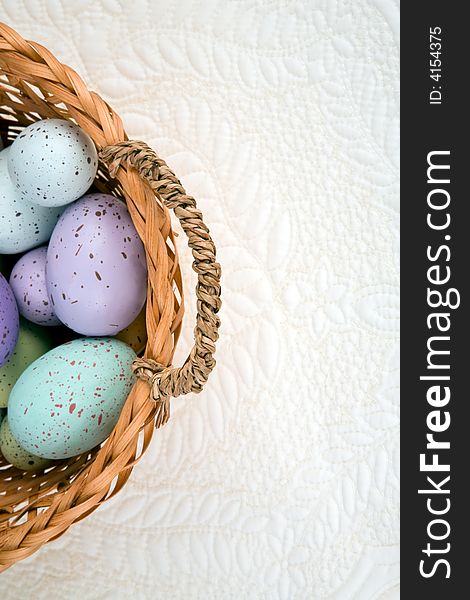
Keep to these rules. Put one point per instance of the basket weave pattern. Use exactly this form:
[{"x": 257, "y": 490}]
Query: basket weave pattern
[{"x": 36, "y": 508}]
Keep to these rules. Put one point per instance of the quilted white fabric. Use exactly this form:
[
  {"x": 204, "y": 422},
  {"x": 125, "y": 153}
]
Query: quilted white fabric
[{"x": 280, "y": 481}]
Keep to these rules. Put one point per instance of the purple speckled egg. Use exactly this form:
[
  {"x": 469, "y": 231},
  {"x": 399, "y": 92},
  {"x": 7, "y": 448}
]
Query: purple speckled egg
[
  {"x": 9, "y": 321},
  {"x": 28, "y": 282},
  {"x": 96, "y": 271}
]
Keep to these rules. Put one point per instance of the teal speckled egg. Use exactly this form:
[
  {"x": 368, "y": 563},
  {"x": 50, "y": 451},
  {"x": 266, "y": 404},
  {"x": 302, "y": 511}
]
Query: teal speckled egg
[
  {"x": 16, "y": 455},
  {"x": 69, "y": 400}
]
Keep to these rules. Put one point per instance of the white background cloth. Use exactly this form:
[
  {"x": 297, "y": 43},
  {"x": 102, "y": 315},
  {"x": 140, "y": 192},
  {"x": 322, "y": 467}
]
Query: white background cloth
[{"x": 280, "y": 481}]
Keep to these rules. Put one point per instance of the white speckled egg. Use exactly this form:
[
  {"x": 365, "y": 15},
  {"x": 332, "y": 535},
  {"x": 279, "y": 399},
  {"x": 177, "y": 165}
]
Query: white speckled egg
[
  {"x": 28, "y": 282},
  {"x": 52, "y": 162},
  {"x": 23, "y": 225},
  {"x": 70, "y": 399},
  {"x": 16, "y": 455},
  {"x": 96, "y": 271}
]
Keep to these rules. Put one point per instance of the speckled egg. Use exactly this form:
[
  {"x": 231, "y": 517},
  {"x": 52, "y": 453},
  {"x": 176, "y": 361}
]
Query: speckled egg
[
  {"x": 70, "y": 399},
  {"x": 23, "y": 225},
  {"x": 96, "y": 271},
  {"x": 33, "y": 342},
  {"x": 135, "y": 335},
  {"x": 9, "y": 321},
  {"x": 52, "y": 162},
  {"x": 16, "y": 454},
  {"x": 28, "y": 282}
]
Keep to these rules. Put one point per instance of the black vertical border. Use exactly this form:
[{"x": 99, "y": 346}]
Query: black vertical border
[{"x": 425, "y": 128}]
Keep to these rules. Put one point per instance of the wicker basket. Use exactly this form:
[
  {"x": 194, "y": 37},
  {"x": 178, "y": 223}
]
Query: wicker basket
[{"x": 36, "y": 508}]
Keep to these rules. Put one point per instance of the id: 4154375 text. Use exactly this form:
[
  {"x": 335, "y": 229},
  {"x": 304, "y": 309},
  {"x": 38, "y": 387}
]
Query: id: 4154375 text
[{"x": 435, "y": 65}]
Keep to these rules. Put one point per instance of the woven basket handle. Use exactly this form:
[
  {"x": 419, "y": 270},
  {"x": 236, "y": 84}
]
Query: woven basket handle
[{"x": 191, "y": 377}]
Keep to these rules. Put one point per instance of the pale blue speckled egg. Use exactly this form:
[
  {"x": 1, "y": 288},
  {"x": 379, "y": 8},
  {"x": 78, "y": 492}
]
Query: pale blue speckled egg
[
  {"x": 52, "y": 162},
  {"x": 23, "y": 225},
  {"x": 69, "y": 400}
]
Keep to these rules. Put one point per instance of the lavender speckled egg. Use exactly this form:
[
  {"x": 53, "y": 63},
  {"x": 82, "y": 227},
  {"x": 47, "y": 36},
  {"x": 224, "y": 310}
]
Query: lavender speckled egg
[
  {"x": 96, "y": 271},
  {"x": 52, "y": 162},
  {"x": 69, "y": 400},
  {"x": 23, "y": 225},
  {"x": 16, "y": 455},
  {"x": 9, "y": 321},
  {"x": 28, "y": 282}
]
